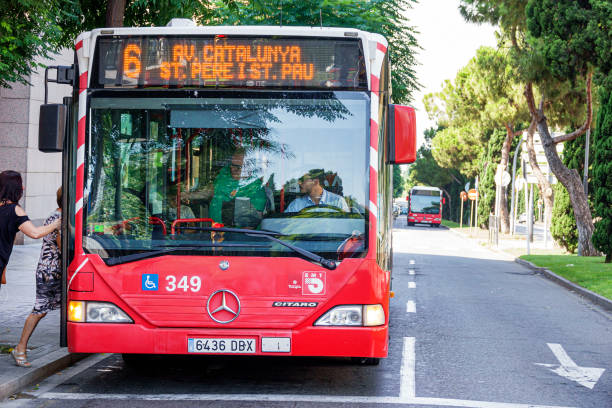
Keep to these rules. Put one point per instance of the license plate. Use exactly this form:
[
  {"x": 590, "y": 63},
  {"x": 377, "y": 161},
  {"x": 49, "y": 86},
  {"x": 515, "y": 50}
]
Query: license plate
[
  {"x": 425, "y": 221},
  {"x": 220, "y": 346}
]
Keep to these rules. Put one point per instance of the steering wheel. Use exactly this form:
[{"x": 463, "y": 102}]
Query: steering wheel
[{"x": 315, "y": 208}]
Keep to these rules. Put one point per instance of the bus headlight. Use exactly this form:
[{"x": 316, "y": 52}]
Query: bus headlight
[
  {"x": 96, "y": 312},
  {"x": 353, "y": 315},
  {"x": 102, "y": 312}
]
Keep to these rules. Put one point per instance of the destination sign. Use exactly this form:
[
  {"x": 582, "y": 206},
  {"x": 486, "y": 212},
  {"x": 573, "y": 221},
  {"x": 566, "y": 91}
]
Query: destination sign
[{"x": 222, "y": 61}]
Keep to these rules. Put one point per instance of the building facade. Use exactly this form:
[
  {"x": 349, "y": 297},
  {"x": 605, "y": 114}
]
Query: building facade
[{"x": 19, "y": 112}]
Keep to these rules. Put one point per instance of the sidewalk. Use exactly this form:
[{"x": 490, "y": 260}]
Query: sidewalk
[
  {"x": 16, "y": 302},
  {"x": 514, "y": 246}
]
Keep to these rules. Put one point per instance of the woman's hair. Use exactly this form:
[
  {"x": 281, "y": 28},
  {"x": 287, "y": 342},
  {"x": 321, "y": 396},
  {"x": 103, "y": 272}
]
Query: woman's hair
[
  {"x": 11, "y": 186},
  {"x": 59, "y": 197}
]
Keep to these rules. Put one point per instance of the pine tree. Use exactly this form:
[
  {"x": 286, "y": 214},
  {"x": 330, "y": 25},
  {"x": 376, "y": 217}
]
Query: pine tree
[{"x": 602, "y": 175}]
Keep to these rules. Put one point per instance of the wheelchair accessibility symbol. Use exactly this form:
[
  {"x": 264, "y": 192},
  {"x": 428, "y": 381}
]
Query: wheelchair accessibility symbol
[{"x": 150, "y": 281}]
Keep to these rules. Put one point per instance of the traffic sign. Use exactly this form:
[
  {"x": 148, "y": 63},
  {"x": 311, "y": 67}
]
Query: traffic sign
[
  {"x": 502, "y": 178},
  {"x": 463, "y": 196},
  {"x": 473, "y": 194},
  {"x": 540, "y": 159}
]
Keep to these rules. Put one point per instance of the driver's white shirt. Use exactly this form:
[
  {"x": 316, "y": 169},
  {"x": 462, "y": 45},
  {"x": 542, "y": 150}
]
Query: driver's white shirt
[{"x": 327, "y": 198}]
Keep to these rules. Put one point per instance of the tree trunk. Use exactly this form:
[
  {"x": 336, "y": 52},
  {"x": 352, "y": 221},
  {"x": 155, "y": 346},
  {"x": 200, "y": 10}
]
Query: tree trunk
[
  {"x": 115, "y": 11},
  {"x": 503, "y": 200},
  {"x": 450, "y": 207},
  {"x": 569, "y": 178},
  {"x": 546, "y": 190}
]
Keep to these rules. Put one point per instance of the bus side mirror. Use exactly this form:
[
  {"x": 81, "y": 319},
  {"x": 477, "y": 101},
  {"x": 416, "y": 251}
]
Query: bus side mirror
[
  {"x": 52, "y": 127},
  {"x": 402, "y": 134}
]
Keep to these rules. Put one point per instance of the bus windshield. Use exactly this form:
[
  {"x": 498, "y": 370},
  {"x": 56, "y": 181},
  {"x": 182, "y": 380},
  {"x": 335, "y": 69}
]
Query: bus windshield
[
  {"x": 425, "y": 204},
  {"x": 161, "y": 171}
]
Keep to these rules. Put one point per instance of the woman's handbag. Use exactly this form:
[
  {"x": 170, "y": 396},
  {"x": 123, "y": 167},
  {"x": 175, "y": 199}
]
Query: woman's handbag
[{"x": 4, "y": 276}]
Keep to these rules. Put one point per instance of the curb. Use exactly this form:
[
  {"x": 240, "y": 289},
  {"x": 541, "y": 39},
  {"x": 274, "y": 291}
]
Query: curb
[
  {"x": 592, "y": 296},
  {"x": 41, "y": 367},
  {"x": 490, "y": 248}
]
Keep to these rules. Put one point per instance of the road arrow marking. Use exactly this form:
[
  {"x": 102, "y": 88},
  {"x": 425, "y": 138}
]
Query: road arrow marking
[{"x": 585, "y": 376}]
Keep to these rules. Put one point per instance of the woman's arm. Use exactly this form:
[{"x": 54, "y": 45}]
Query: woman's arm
[{"x": 33, "y": 231}]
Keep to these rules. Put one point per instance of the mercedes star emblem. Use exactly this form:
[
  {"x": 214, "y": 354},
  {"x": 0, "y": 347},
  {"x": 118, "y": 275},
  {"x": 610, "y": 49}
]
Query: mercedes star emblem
[
  {"x": 224, "y": 265},
  {"x": 224, "y": 304}
]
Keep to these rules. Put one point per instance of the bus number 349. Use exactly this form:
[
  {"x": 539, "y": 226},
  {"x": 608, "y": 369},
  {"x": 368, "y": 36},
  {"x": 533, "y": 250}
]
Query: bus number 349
[{"x": 193, "y": 283}]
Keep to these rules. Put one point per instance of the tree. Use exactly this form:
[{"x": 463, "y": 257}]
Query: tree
[
  {"x": 558, "y": 43},
  {"x": 484, "y": 96},
  {"x": 602, "y": 175},
  {"x": 563, "y": 225},
  {"x": 509, "y": 15},
  {"x": 563, "y": 222},
  {"x": 380, "y": 16},
  {"x": 572, "y": 41},
  {"x": 398, "y": 182},
  {"x": 488, "y": 167},
  {"x": 426, "y": 171},
  {"x": 28, "y": 32}
]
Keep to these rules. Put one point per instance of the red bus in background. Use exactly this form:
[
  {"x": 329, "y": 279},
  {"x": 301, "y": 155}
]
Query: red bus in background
[
  {"x": 217, "y": 202},
  {"x": 425, "y": 206}
]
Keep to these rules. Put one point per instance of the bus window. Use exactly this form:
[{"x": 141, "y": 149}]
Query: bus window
[{"x": 281, "y": 164}]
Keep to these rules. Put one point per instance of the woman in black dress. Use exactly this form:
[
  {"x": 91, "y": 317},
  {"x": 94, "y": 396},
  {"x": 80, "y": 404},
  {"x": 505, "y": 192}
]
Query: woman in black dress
[{"x": 12, "y": 219}]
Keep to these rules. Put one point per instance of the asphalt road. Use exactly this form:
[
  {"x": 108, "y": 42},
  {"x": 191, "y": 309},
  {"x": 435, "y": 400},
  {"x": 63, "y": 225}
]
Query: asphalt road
[{"x": 469, "y": 328}]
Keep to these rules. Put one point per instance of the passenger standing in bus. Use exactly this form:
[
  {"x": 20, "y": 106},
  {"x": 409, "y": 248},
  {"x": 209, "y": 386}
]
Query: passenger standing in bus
[
  {"x": 233, "y": 184},
  {"x": 48, "y": 284},
  {"x": 312, "y": 183}
]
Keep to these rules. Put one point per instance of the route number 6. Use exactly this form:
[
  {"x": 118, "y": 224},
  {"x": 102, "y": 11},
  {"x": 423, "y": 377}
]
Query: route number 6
[{"x": 194, "y": 284}]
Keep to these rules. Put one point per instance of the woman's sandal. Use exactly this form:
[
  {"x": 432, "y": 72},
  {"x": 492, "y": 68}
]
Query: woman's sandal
[{"x": 20, "y": 359}]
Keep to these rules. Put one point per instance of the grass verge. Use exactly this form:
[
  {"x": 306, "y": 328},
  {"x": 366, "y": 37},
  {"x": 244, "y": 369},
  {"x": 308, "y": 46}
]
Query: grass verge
[
  {"x": 590, "y": 272},
  {"x": 452, "y": 224}
]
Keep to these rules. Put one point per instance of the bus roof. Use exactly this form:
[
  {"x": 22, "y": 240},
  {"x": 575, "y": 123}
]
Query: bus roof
[{"x": 425, "y": 188}]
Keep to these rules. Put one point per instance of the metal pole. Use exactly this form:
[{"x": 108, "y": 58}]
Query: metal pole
[
  {"x": 529, "y": 225},
  {"x": 476, "y": 204},
  {"x": 585, "y": 179},
  {"x": 471, "y": 215},
  {"x": 461, "y": 216},
  {"x": 512, "y": 205}
]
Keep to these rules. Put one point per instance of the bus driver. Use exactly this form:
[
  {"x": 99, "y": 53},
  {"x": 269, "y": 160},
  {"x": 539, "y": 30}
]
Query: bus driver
[{"x": 312, "y": 183}]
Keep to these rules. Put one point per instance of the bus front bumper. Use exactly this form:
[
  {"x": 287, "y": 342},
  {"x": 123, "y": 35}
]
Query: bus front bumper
[{"x": 308, "y": 341}]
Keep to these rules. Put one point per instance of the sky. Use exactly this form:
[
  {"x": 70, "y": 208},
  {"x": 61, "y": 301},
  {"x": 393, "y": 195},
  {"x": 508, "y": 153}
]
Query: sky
[{"x": 448, "y": 43}]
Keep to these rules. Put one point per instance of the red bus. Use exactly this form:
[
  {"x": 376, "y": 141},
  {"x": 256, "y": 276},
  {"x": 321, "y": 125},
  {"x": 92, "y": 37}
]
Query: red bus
[
  {"x": 229, "y": 190},
  {"x": 425, "y": 206}
]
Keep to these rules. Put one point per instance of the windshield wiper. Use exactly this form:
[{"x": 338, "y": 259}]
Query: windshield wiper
[
  {"x": 271, "y": 235},
  {"x": 116, "y": 260}
]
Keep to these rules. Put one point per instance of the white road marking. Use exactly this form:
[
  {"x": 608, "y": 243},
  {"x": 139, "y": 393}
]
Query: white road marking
[
  {"x": 411, "y": 285},
  {"x": 407, "y": 393},
  {"x": 411, "y": 262},
  {"x": 442, "y": 402},
  {"x": 410, "y": 307},
  {"x": 407, "y": 370},
  {"x": 585, "y": 376},
  {"x": 411, "y": 272}
]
